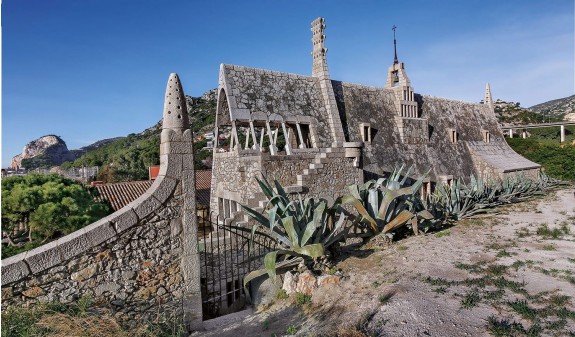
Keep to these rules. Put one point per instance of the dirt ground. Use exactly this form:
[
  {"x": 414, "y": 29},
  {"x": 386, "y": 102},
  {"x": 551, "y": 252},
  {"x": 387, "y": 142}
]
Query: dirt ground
[{"x": 510, "y": 274}]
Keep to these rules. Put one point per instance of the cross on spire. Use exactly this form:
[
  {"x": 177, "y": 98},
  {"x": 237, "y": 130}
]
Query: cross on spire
[{"x": 395, "y": 61}]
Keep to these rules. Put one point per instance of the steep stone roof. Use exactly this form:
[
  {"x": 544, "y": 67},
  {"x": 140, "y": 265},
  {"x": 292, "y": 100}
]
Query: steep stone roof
[
  {"x": 425, "y": 142},
  {"x": 502, "y": 157},
  {"x": 258, "y": 94},
  {"x": 121, "y": 194},
  {"x": 364, "y": 104}
]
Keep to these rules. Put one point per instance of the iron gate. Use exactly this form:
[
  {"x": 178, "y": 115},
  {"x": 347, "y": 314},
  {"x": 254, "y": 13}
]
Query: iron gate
[{"x": 226, "y": 256}]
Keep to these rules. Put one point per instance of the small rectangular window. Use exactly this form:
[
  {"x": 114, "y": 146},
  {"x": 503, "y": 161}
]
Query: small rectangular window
[
  {"x": 453, "y": 135},
  {"x": 486, "y": 136},
  {"x": 365, "y": 130}
]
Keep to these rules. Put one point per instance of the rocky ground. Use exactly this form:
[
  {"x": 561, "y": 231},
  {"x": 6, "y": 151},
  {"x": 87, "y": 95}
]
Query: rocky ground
[{"x": 512, "y": 274}]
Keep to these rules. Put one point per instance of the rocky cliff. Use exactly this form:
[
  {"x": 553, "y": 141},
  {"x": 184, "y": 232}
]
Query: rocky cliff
[
  {"x": 51, "y": 150},
  {"x": 52, "y": 147},
  {"x": 559, "y": 107}
]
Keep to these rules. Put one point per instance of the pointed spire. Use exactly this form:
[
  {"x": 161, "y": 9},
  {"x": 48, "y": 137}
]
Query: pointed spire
[
  {"x": 488, "y": 99},
  {"x": 395, "y": 61},
  {"x": 175, "y": 110}
]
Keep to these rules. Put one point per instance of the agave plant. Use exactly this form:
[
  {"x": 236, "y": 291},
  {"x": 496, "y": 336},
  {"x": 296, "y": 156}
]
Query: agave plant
[
  {"x": 460, "y": 200},
  {"x": 303, "y": 228},
  {"x": 388, "y": 203}
]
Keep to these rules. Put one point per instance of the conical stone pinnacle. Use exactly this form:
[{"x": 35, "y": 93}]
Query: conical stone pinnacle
[{"x": 175, "y": 110}]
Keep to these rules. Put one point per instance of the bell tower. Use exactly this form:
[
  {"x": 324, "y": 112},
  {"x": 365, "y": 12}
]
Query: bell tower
[{"x": 398, "y": 81}]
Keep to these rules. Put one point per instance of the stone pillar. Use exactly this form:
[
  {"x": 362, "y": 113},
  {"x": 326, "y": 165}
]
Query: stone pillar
[
  {"x": 301, "y": 141},
  {"x": 524, "y": 133},
  {"x": 177, "y": 148},
  {"x": 287, "y": 138},
  {"x": 320, "y": 71},
  {"x": 510, "y": 133},
  {"x": 247, "y": 139},
  {"x": 562, "y": 133},
  {"x": 272, "y": 147},
  {"x": 256, "y": 146}
]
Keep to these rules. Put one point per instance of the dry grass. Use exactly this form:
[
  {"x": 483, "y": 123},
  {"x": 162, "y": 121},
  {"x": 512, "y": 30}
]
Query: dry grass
[
  {"x": 61, "y": 320},
  {"x": 64, "y": 325}
]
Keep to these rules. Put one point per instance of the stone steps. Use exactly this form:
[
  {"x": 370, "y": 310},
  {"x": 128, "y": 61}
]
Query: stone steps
[{"x": 322, "y": 157}]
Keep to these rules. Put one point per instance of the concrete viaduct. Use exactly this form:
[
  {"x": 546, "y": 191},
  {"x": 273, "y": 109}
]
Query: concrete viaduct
[{"x": 509, "y": 128}]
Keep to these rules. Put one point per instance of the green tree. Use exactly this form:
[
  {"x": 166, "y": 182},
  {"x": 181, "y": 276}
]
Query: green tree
[{"x": 40, "y": 208}]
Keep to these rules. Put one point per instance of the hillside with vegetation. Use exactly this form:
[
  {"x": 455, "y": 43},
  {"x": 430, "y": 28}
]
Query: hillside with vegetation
[
  {"x": 543, "y": 147},
  {"x": 558, "y": 107},
  {"x": 513, "y": 113},
  {"x": 128, "y": 158}
]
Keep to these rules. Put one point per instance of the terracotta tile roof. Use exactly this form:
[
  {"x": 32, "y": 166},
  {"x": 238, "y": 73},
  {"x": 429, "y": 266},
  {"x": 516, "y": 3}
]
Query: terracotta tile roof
[
  {"x": 203, "y": 185},
  {"x": 121, "y": 194}
]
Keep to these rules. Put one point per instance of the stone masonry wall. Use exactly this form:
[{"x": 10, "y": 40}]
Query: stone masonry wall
[
  {"x": 413, "y": 130},
  {"x": 286, "y": 168},
  {"x": 233, "y": 177},
  {"x": 131, "y": 273},
  {"x": 333, "y": 179}
]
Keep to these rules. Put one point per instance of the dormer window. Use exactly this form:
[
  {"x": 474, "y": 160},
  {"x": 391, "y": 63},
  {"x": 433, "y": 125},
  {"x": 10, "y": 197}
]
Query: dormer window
[
  {"x": 453, "y": 135},
  {"x": 365, "y": 131},
  {"x": 486, "y": 136}
]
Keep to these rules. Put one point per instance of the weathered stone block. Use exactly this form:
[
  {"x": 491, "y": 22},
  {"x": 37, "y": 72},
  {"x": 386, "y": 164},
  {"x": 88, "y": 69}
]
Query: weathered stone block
[
  {"x": 171, "y": 165},
  {"x": 190, "y": 269},
  {"x": 14, "y": 268},
  {"x": 188, "y": 161},
  {"x": 169, "y": 135},
  {"x": 44, "y": 257},
  {"x": 176, "y": 147},
  {"x": 33, "y": 292},
  {"x": 74, "y": 244},
  {"x": 145, "y": 207},
  {"x": 162, "y": 188},
  {"x": 126, "y": 218},
  {"x": 85, "y": 273}
]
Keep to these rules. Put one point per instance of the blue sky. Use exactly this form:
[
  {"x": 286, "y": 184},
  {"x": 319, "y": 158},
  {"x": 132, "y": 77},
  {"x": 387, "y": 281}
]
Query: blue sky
[{"x": 93, "y": 69}]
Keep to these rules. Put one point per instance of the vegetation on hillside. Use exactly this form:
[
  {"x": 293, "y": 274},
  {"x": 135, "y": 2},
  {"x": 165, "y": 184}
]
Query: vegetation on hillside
[
  {"x": 38, "y": 208},
  {"x": 513, "y": 113},
  {"x": 543, "y": 147},
  {"x": 128, "y": 158},
  {"x": 123, "y": 160}
]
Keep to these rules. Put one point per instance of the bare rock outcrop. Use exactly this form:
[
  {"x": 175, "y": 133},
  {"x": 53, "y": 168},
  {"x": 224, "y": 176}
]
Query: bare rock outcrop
[{"x": 52, "y": 147}]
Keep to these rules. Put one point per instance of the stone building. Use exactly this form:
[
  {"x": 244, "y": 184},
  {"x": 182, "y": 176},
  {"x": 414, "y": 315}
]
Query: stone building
[{"x": 317, "y": 135}]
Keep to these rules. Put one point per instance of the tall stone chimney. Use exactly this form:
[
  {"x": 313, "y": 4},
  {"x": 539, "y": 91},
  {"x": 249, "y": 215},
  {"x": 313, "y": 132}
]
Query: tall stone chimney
[{"x": 320, "y": 71}]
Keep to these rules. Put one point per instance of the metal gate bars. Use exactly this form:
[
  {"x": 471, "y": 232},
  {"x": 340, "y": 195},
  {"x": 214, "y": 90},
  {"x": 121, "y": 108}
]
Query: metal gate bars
[{"x": 227, "y": 254}]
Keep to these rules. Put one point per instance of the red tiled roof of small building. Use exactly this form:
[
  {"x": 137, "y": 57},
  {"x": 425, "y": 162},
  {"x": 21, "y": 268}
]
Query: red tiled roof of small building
[
  {"x": 121, "y": 194},
  {"x": 203, "y": 186}
]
